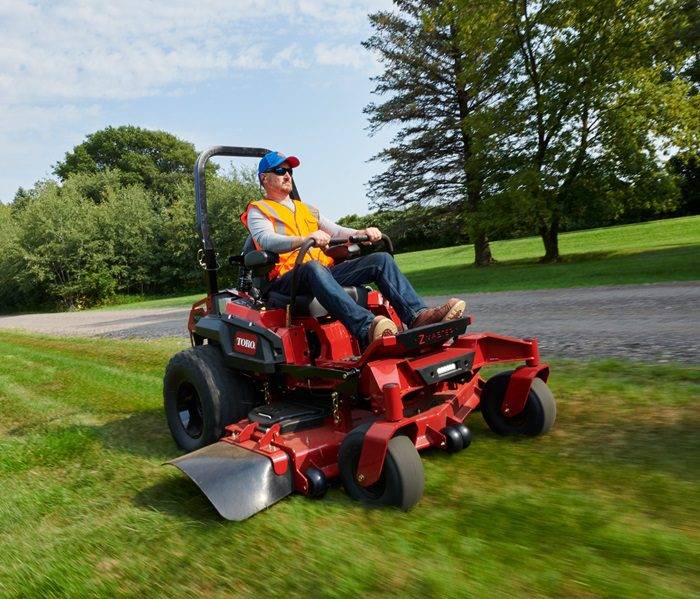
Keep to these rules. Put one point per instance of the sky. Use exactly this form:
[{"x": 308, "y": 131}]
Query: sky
[{"x": 289, "y": 75}]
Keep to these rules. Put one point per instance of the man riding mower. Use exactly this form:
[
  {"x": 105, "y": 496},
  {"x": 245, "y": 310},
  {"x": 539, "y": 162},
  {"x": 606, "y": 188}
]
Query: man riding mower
[{"x": 291, "y": 383}]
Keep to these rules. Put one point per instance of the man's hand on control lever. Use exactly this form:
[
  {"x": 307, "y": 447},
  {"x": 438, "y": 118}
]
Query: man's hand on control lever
[
  {"x": 321, "y": 237},
  {"x": 373, "y": 233}
]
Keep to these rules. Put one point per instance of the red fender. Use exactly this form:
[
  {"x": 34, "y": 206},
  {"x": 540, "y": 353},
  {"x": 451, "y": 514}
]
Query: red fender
[{"x": 519, "y": 388}]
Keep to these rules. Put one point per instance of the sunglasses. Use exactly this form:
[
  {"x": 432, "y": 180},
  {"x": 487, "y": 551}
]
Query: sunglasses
[{"x": 280, "y": 170}]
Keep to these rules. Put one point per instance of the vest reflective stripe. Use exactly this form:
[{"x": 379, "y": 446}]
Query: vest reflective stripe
[
  {"x": 272, "y": 214},
  {"x": 298, "y": 223}
]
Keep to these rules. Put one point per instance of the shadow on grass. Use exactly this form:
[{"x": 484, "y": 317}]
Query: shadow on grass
[
  {"x": 144, "y": 434},
  {"x": 671, "y": 449},
  {"x": 178, "y": 496}
]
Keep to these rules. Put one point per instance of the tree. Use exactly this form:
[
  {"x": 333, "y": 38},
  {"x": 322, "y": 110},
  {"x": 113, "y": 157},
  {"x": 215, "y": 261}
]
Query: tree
[
  {"x": 10, "y": 259},
  {"x": 129, "y": 225},
  {"x": 443, "y": 75},
  {"x": 593, "y": 96},
  {"x": 64, "y": 258},
  {"x": 154, "y": 159},
  {"x": 686, "y": 166}
]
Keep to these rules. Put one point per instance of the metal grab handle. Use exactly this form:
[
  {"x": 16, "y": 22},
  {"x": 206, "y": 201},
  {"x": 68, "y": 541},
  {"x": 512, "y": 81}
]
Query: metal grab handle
[
  {"x": 363, "y": 238},
  {"x": 358, "y": 238}
]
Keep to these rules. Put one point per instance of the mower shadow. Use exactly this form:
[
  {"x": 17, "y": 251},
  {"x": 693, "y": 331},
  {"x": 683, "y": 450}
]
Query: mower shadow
[
  {"x": 144, "y": 434},
  {"x": 179, "y": 497}
]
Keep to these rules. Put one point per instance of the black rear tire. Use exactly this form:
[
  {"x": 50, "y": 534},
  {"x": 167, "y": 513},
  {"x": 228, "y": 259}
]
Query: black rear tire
[
  {"x": 537, "y": 417},
  {"x": 402, "y": 480},
  {"x": 201, "y": 395}
]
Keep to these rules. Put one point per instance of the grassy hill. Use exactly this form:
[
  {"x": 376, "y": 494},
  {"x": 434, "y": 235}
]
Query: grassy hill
[
  {"x": 656, "y": 251},
  {"x": 665, "y": 250},
  {"x": 605, "y": 505}
]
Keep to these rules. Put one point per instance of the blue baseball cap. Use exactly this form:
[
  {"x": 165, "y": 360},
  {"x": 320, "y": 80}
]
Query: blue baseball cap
[{"x": 273, "y": 159}]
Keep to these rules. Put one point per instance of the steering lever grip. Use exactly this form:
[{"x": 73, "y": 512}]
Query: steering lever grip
[{"x": 358, "y": 238}]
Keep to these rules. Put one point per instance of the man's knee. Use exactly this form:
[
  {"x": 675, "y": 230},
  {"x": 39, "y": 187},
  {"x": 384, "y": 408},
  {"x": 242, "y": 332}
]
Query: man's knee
[
  {"x": 380, "y": 258},
  {"x": 314, "y": 269}
]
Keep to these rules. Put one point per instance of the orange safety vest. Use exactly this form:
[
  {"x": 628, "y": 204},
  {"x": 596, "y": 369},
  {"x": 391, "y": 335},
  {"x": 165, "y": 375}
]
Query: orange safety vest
[{"x": 299, "y": 223}]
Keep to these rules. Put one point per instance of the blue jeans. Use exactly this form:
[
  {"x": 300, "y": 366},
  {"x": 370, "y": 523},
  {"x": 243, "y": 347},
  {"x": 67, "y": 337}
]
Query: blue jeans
[{"x": 326, "y": 284}]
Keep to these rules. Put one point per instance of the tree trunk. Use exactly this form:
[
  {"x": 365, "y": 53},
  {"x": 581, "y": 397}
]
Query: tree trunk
[
  {"x": 473, "y": 177},
  {"x": 550, "y": 238},
  {"x": 482, "y": 251}
]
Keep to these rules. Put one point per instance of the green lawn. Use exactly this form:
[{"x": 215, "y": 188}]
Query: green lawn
[
  {"x": 605, "y": 505},
  {"x": 664, "y": 250},
  {"x": 652, "y": 252}
]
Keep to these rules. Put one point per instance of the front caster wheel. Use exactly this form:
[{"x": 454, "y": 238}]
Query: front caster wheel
[
  {"x": 453, "y": 439},
  {"x": 318, "y": 485},
  {"x": 536, "y": 418},
  {"x": 401, "y": 482},
  {"x": 466, "y": 435}
]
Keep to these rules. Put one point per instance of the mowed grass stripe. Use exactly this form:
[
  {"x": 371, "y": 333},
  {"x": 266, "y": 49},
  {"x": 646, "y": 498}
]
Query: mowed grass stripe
[
  {"x": 605, "y": 505},
  {"x": 117, "y": 381}
]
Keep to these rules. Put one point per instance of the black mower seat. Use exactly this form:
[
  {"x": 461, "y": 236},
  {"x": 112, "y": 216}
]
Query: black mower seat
[{"x": 308, "y": 305}]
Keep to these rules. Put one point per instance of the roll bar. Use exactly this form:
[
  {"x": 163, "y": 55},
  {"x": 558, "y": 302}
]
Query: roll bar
[{"x": 200, "y": 201}]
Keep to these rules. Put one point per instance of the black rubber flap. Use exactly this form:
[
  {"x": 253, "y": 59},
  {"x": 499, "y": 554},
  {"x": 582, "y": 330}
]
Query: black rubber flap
[{"x": 238, "y": 482}]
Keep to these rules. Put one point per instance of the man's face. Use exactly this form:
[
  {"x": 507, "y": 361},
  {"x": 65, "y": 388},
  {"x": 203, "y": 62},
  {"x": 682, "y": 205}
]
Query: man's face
[{"x": 277, "y": 183}]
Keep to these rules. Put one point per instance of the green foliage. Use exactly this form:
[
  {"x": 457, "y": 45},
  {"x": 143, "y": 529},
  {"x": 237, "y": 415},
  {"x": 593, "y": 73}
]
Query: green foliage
[
  {"x": 537, "y": 115},
  {"x": 686, "y": 167},
  {"x": 416, "y": 227},
  {"x": 10, "y": 258},
  {"x": 154, "y": 159},
  {"x": 80, "y": 243},
  {"x": 65, "y": 260}
]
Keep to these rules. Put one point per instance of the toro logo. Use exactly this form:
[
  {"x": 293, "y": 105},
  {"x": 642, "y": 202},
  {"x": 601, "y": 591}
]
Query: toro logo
[{"x": 245, "y": 343}]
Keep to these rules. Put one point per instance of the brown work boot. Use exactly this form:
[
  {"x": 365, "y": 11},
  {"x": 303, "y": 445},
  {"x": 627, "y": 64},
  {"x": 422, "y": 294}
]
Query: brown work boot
[
  {"x": 451, "y": 310},
  {"x": 381, "y": 325}
]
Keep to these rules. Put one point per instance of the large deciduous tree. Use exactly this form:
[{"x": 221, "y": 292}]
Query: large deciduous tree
[
  {"x": 442, "y": 78},
  {"x": 596, "y": 98},
  {"x": 154, "y": 159}
]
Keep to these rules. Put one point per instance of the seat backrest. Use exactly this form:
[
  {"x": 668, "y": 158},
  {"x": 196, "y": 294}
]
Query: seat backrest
[{"x": 258, "y": 281}]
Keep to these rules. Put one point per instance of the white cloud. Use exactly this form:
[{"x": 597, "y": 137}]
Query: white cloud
[
  {"x": 62, "y": 62},
  {"x": 74, "y": 49},
  {"x": 343, "y": 55}
]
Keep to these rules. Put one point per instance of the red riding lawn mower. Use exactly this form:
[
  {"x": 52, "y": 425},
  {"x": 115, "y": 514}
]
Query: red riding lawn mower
[{"x": 276, "y": 396}]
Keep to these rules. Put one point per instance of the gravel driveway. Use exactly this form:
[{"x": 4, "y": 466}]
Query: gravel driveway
[{"x": 652, "y": 323}]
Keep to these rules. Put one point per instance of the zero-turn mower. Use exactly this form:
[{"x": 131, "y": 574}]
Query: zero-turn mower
[{"x": 275, "y": 396}]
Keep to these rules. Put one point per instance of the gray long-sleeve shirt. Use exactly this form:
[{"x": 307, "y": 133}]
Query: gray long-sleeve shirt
[{"x": 263, "y": 232}]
